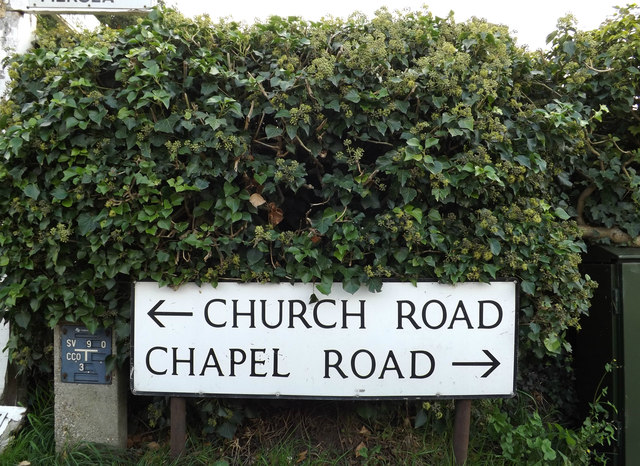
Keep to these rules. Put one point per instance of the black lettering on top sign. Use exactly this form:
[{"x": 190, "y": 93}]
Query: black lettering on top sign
[
  {"x": 264, "y": 314},
  {"x": 316, "y": 317},
  {"x": 250, "y": 313},
  {"x": 497, "y": 310},
  {"x": 465, "y": 316},
  {"x": 434, "y": 315},
  {"x": 359, "y": 314},
  {"x": 442, "y": 310},
  {"x": 409, "y": 316},
  {"x": 293, "y": 313},
  {"x": 207, "y": 315},
  {"x": 297, "y": 315}
]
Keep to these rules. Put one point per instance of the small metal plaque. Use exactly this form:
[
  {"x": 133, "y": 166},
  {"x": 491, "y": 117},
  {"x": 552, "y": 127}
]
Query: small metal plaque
[{"x": 84, "y": 355}]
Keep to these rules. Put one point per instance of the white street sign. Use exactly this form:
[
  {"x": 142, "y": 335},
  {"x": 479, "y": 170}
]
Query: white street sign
[
  {"x": 82, "y": 6},
  {"x": 249, "y": 339}
]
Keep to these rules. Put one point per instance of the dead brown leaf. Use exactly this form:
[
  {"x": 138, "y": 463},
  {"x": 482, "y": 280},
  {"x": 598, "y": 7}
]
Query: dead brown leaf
[
  {"x": 359, "y": 449},
  {"x": 302, "y": 456},
  {"x": 256, "y": 200},
  {"x": 153, "y": 446},
  {"x": 276, "y": 215}
]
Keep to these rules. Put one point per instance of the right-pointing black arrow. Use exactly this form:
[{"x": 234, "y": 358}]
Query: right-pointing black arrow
[
  {"x": 493, "y": 363},
  {"x": 154, "y": 313}
]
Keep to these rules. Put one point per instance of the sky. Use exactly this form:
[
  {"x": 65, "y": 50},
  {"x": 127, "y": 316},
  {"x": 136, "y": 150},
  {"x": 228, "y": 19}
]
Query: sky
[{"x": 529, "y": 21}]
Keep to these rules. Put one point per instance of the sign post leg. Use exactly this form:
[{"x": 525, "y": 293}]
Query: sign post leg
[
  {"x": 461, "y": 430},
  {"x": 178, "y": 426}
]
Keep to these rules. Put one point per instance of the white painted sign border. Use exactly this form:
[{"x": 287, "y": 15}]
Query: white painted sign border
[
  {"x": 206, "y": 341},
  {"x": 82, "y": 6}
]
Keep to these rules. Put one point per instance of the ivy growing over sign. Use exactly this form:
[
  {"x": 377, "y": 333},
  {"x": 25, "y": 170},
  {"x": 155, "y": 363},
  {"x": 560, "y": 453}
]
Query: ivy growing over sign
[{"x": 403, "y": 147}]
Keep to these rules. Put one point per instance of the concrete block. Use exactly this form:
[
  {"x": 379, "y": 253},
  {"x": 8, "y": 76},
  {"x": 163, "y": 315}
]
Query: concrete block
[{"x": 88, "y": 412}]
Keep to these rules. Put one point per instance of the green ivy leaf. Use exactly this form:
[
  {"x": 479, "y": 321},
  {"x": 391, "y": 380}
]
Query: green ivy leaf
[
  {"x": 430, "y": 142},
  {"x": 353, "y": 96},
  {"x": 325, "y": 285},
  {"x": 494, "y": 246},
  {"x": 553, "y": 343},
  {"x": 351, "y": 286},
  {"x": 434, "y": 215},
  {"x": 272, "y": 131},
  {"x": 214, "y": 122},
  {"x": 408, "y": 194},
  {"x": 292, "y": 131},
  {"x": 59, "y": 193},
  {"x": 421, "y": 419},
  {"x": 230, "y": 189},
  {"x": 164, "y": 223},
  {"x": 401, "y": 254},
  {"x": 227, "y": 430},
  {"x": 32, "y": 191},
  {"x": 528, "y": 287},
  {"x": 22, "y": 318},
  {"x": 201, "y": 183},
  {"x": 325, "y": 221},
  {"x": 401, "y": 105},
  {"x": 491, "y": 269},
  {"x": 466, "y": 123},
  {"x": 254, "y": 256},
  {"x": 569, "y": 47},
  {"x": 86, "y": 223},
  {"x": 167, "y": 125}
]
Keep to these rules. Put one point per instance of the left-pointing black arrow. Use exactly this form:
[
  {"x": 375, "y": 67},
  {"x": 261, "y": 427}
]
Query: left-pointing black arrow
[
  {"x": 154, "y": 313},
  {"x": 494, "y": 363}
]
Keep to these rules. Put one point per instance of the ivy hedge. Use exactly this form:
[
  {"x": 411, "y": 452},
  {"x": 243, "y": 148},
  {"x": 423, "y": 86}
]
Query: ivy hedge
[
  {"x": 594, "y": 78},
  {"x": 403, "y": 147}
]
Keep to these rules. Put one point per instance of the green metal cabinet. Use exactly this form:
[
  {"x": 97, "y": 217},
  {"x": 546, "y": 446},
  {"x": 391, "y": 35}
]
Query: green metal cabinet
[{"x": 612, "y": 332}]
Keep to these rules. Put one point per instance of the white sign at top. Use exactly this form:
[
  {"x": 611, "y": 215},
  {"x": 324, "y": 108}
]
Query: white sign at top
[
  {"x": 250, "y": 339},
  {"x": 82, "y": 6}
]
